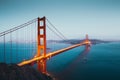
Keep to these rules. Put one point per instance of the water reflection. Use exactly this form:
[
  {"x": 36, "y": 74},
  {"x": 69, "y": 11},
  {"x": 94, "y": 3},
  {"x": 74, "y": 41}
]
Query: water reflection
[{"x": 82, "y": 57}]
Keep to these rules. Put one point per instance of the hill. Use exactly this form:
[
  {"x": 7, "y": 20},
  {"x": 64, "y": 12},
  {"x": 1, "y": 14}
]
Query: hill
[{"x": 14, "y": 72}]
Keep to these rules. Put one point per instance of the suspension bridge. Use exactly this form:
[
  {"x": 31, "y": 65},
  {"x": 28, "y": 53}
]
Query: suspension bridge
[{"x": 33, "y": 43}]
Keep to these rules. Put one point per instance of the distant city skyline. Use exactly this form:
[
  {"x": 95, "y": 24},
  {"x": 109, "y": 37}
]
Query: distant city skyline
[{"x": 74, "y": 18}]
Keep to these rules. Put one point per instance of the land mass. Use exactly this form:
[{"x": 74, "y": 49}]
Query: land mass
[
  {"x": 14, "y": 72},
  {"x": 76, "y": 41}
]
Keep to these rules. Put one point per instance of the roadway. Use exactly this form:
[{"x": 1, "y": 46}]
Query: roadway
[{"x": 51, "y": 54}]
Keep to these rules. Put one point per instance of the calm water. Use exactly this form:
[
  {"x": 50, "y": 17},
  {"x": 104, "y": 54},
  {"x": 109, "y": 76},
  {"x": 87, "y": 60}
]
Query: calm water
[{"x": 100, "y": 62}]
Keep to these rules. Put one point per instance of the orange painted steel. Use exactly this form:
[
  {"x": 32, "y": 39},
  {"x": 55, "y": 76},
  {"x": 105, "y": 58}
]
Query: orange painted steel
[
  {"x": 41, "y": 48},
  {"x": 41, "y": 56},
  {"x": 49, "y": 55}
]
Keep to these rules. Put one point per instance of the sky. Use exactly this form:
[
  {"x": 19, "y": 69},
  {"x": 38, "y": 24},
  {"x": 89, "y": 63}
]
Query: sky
[{"x": 100, "y": 19}]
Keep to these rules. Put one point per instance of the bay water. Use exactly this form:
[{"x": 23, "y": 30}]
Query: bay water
[{"x": 98, "y": 62}]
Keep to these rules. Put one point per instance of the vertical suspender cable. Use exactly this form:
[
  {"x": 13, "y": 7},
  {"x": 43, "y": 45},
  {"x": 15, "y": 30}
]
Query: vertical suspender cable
[
  {"x": 11, "y": 47},
  {"x": 11, "y": 40},
  {"x": 29, "y": 45},
  {"x": 29, "y": 41},
  {"x": 25, "y": 45},
  {"x": 4, "y": 49},
  {"x": 57, "y": 30},
  {"x": 35, "y": 39},
  {"x": 17, "y": 46}
]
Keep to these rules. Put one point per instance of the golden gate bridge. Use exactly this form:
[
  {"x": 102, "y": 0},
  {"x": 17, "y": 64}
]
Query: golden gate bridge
[{"x": 29, "y": 43}]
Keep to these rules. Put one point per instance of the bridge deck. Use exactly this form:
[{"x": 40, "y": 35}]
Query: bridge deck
[{"x": 49, "y": 55}]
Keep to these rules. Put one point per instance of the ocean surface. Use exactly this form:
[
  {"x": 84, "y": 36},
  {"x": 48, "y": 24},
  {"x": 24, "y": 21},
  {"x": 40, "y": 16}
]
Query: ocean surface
[{"x": 98, "y": 62}]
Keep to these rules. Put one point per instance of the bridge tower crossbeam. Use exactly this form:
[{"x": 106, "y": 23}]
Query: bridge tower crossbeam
[{"x": 41, "y": 48}]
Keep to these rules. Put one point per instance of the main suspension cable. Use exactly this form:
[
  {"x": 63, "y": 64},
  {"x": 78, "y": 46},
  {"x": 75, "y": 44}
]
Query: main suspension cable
[
  {"x": 56, "y": 29},
  {"x": 18, "y": 27},
  {"x": 55, "y": 33}
]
